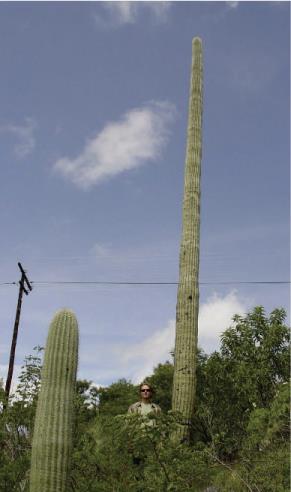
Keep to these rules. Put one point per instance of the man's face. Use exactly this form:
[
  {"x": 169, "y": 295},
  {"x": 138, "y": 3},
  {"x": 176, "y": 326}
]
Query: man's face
[{"x": 145, "y": 392}]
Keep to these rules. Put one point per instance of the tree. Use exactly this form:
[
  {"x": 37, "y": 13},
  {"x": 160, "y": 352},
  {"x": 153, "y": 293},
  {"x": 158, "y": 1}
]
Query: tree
[
  {"x": 16, "y": 424},
  {"x": 264, "y": 456},
  {"x": 162, "y": 382},
  {"x": 116, "y": 398},
  {"x": 245, "y": 375},
  {"x": 188, "y": 292},
  {"x": 84, "y": 463}
]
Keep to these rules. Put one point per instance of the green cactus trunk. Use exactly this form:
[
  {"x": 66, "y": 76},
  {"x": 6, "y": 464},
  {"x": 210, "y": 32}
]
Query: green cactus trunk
[
  {"x": 53, "y": 428},
  {"x": 188, "y": 290}
]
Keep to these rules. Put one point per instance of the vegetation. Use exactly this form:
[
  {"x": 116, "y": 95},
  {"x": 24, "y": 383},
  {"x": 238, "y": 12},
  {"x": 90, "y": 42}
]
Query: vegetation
[
  {"x": 188, "y": 290},
  {"x": 239, "y": 431}
]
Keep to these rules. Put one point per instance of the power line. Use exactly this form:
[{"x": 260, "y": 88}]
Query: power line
[
  {"x": 105, "y": 282},
  {"x": 97, "y": 282},
  {"x": 61, "y": 282},
  {"x": 102, "y": 282}
]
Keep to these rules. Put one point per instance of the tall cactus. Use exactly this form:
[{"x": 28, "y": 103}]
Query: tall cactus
[
  {"x": 188, "y": 289},
  {"x": 53, "y": 429}
]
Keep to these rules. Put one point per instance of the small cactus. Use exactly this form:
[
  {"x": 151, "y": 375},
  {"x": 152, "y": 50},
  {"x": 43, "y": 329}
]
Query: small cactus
[{"x": 53, "y": 429}]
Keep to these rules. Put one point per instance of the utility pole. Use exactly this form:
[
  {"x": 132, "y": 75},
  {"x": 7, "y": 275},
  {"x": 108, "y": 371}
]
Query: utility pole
[{"x": 24, "y": 286}]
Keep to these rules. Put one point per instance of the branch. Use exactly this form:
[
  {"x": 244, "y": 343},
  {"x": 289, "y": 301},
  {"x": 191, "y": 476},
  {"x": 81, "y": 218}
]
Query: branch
[
  {"x": 162, "y": 465},
  {"x": 232, "y": 471}
]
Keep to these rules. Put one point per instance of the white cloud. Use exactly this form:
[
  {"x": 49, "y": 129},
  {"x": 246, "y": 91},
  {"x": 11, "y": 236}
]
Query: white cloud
[
  {"x": 101, "y": 250},
  {"x": 137, "y": 138},
  {"x": 121, "y": 12},
  {"x": 279, "y": 3},
  {"x": 144, "y": 356},
  {"x": 215, "y": 316},
  {"x": 25, "y": 137},
  {"x": 232, "y": 5},
  {"x": 160, "y": 10},
  {"x": 117, "y": 14}
]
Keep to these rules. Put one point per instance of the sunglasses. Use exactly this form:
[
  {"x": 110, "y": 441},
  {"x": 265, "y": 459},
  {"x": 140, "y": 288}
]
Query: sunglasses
[{"x": 145, "y": 391}]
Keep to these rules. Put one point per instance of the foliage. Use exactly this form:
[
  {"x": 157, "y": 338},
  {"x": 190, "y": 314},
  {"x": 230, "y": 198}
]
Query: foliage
[
  {"x": 265, "y": 450},
  {"x": 240, "y": 430},
  {"x": 29, "y": 379},
  {"x": 229, "y": 419},
  {"x": 116, "y": 399},
  {"x": 244, "y": 375},
  {"x": 256, "y": 350},
  {"x": 86, "y": 403},
  {"x": 84, "y": 450},
  {"x": 16, "y": 424},
  {"x": 135, "y": 453},
  {"x": 162, "y": 382}
]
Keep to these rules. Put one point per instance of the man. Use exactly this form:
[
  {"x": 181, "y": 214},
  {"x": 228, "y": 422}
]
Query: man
[{"x": 145, "y": 405}]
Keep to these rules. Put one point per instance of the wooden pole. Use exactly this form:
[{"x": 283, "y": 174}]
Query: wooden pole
[
  {"x": 22, "y": 289},
  {"x": 14, "y": 339}
]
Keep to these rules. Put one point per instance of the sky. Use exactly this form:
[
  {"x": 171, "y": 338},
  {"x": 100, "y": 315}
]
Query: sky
[{"x": 94, "y": 106}]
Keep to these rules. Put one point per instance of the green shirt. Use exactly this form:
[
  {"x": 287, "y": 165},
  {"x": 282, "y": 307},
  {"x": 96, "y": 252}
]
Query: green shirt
[{"x": 144, "y": 408}]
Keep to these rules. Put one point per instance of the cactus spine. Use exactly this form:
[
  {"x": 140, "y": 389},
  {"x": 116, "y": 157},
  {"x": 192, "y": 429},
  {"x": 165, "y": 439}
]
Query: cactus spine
[
  {"x": 53, "y": 429},
  {"x": 188, "y": 290}
]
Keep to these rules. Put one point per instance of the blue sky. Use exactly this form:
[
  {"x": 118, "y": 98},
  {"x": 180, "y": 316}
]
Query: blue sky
[{"x": 94, "y": 100}]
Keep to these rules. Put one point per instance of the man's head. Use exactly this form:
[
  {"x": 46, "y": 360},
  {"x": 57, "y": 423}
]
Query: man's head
[{"x": 146, "y": 392}]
